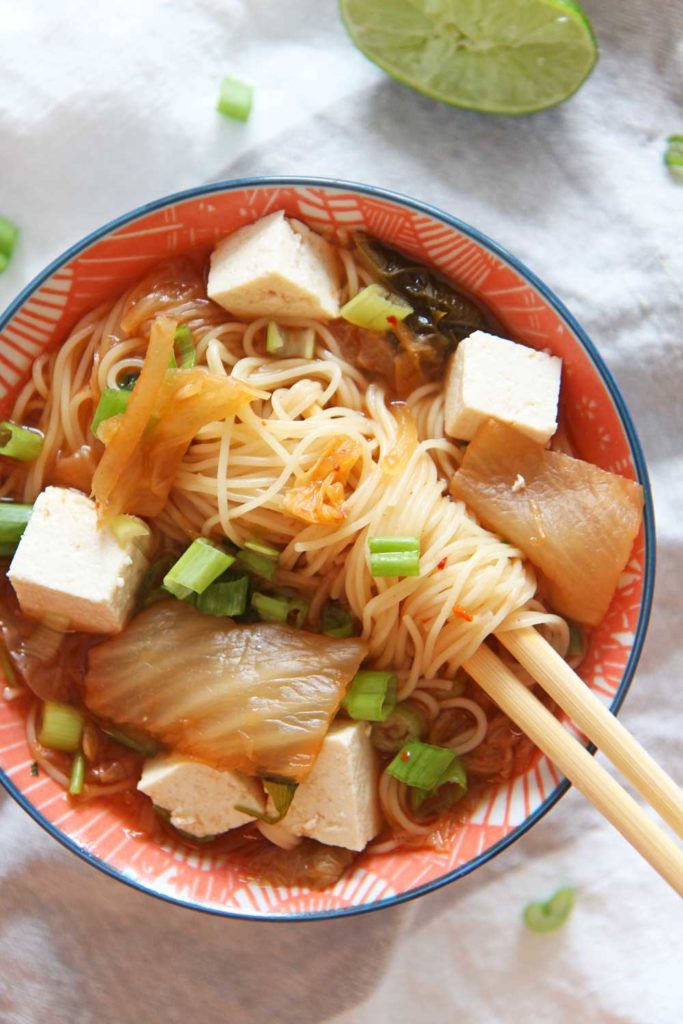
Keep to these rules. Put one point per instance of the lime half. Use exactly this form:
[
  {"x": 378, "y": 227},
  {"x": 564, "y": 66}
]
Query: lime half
[{"x": 495, "y": 56}]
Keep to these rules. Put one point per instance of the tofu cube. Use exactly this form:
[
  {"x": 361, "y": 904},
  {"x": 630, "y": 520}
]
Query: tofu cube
[
  {"x": 492, "y": 378},
  {"x": 338, "y": 803},
  {"x": 68, "y": 570},
  {"x": 270, "y": 269},
  {"x": 200, "y": 799}
]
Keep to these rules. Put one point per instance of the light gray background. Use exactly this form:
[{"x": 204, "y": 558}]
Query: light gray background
[{"x": 103, "y": 109}]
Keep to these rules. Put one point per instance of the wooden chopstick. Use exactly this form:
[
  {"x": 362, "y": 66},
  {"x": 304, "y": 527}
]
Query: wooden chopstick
[
  {"x": 574, "y": 761},
  {"x": 560, "y": 681}
]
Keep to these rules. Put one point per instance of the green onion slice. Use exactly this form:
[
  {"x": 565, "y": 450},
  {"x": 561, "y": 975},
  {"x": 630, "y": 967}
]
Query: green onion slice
[
  {"x": 77, "y": 775},
  {"x": 136, "y": 741},
  {"x": 337, "y": 621},
  {"x": 426, "y": 766},
  {"x": 185, "y": 353},
  {"x": 290, "y": 342},
  {"x": 375, "y": 309},
  {"x": 371, "y": 696},
  {"x": 279, "y": 608},
  {"x": 229, "y": 597},
  {"x": 275, "y": 339},
  {"x": 395, "y": 563},
  {"x": 549, "y": 915},
  {"x": 6, "y": 666},
  {"x": 406, "y": 722},
  {"x": 13, "y": 521},
  {"x": 384, "y": 545},
  {"x": 259, "y": 559},
  {"x": 62, "y": 727},
  {"x": 127, "y": 529},
  {"x": 673, "y": 156},
  {"x": 9, "y": 233},
  {"x": 202, "y": 563},
  {"x": 281, "y": 793},
  {"x": 19, "y": 442},
  {"x": 577, "y": 641},
  {"x": 235, "y": 99},
  {"x": 113, "y": 402}
]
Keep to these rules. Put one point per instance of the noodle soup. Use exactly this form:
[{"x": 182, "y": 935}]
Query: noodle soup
[{"x": 297, "y": 485}]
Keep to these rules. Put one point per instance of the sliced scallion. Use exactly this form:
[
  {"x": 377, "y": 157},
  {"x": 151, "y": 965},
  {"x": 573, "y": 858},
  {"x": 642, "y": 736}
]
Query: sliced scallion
[
  {"x": 384, "y": 545},
  {"x": 395, "y": 563},
  {"x": 281, "y": 793},
  {"x": 673, "y": 156},
  {"x": 426, "y": 766},
  {"x": 337, "y": 621},
  {"x": 290, "y": 342},
  {"x": 275, "y": 339},
  {"x": 259, "y": 559},
  {"x": 9, "y": 233},
  {"x": 228, "y": 597},
  {"x": 375, "y": 309},
  {"x": 6, "y": 666},
  {"x": 371, "y": 696},
  {"x": 132, "y": 740},
  {"x": 235, "y": 99},
  {"x": 577, "y": 641},
  {"x": 404, "y": 723},
  {"x": 185, "y": 353},
  {"x": 549, "y": 915},
  {"x": 113, "y": 402},
  {"x": 77, "y": 775},
  {"x": 394, "y": 556},
  {"x": 62, "y": 727},
  {"x": 13, "y": 521},
  {"x": 197, "y": 568},
  {"x": 19, "y": 442},
  {"x": 128, "y": 529},
  {"x": 277, "y": 608}
]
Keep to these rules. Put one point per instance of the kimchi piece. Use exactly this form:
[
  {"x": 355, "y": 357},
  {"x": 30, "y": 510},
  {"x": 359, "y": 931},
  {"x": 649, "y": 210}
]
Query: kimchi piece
[
  {"x": 257, "y": 698},
  {"x": 318, "y": 495},
  {"x": 574, "y": 521},
  {"x": 145, "y": 445}
]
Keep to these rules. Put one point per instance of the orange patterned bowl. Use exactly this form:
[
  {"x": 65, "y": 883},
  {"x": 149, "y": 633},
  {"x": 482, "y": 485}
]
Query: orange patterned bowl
[{"x": 109, "y": 260}]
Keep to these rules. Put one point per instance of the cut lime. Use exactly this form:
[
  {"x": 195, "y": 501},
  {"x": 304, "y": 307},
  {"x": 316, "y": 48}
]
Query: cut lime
[{"x": 495, "y": 56}]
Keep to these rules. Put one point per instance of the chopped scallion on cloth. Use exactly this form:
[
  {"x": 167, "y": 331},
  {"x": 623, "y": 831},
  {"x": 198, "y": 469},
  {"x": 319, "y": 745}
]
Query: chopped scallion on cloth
[
  {"x": 549, "y": 915},
  {"x": 235, "y": 99},
  {"x": 9, "y": 233}
]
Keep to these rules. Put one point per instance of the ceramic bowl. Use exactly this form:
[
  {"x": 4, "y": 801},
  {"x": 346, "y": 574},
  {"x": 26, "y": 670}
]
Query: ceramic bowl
[{"x": 102, "y": 265}]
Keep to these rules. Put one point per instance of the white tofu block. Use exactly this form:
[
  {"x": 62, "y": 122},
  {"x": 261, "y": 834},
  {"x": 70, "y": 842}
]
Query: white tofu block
[
  {"x": 269, "y": 269},
  {"x": 68, "y": 571},
  {"x": 338, "y": 804},
  {"x": 492, "y": 378},
  {"x": 200, "y": 799}
]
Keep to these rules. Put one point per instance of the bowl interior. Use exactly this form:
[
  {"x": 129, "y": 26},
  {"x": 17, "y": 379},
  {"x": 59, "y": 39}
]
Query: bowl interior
[{"x": 100, "y": 267}]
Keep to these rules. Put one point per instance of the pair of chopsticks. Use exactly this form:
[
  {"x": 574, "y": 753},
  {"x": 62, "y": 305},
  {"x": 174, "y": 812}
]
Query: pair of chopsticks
[{"x": 555, "y": 676}]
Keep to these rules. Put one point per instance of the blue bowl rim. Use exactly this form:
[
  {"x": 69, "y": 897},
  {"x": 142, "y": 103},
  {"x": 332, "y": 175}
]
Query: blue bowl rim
[{"x": 561, "y": 788}]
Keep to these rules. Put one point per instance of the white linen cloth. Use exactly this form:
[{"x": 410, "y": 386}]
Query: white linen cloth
[{"x": 104, "y": 106}]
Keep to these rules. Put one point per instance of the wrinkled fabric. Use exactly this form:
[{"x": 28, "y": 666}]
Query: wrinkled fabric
[{"x": 103, "y": 107}]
